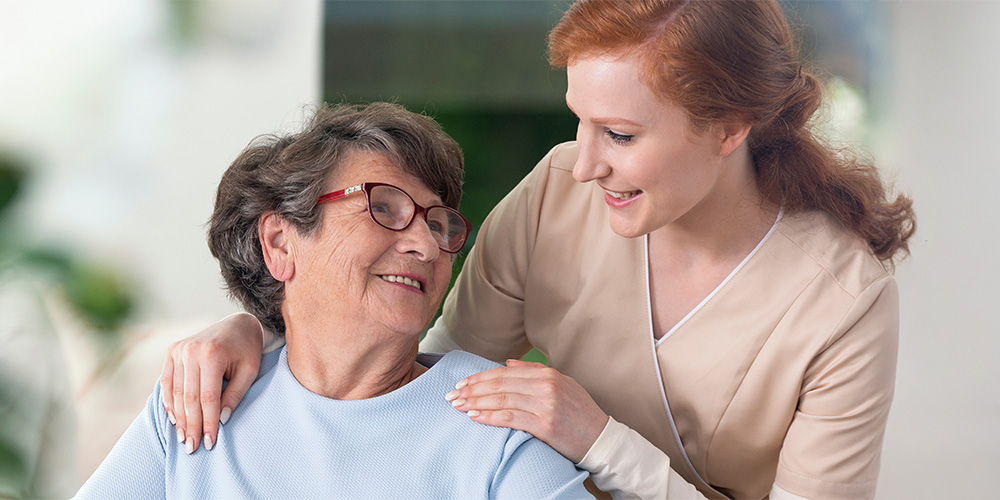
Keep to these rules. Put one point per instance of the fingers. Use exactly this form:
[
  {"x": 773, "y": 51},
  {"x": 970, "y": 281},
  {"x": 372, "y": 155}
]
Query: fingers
[
  {"x": 192, "y": 406},
  {"x": 534, "y": 398},
  {"x": 512, "y": 419},
  {"x": 177, "y": 395},
  {"x": 211, "y": 388},
  {"x": 167, "y": 385},
  {"x": 523, "y": 378}
]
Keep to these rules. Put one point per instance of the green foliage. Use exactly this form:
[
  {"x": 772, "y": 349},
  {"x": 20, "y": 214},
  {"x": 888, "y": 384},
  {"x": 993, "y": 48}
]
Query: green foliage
[
  {"x": 98, "y": 292},
  {"x": 12, "y": 175}
]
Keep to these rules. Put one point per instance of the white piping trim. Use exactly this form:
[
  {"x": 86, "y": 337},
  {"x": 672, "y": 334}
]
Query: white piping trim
[
  {"x": 697, "y": 308},
  {"x": 659, "y": 374}
]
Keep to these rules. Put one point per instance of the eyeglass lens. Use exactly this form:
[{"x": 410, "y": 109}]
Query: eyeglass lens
[{"x": 394, "y": 209}]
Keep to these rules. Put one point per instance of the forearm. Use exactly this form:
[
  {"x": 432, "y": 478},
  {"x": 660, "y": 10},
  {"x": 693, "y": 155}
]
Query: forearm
[
  {"x": 438, "y": 340},
  {"x": 270, "y": 341},
  {"x": 625, "y": 464}
]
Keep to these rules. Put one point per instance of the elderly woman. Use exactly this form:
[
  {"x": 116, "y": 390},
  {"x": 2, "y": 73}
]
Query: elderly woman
[{"x": 341, "y": 237}]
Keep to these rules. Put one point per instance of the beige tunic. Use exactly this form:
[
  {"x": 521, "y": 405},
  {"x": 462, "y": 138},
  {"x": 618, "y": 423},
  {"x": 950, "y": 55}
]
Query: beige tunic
[{"x": 783, "y": 376}]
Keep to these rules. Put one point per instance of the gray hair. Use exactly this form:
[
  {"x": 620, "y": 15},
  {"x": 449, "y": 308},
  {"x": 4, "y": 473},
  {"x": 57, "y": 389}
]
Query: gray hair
[{"x": 287, "y": 174}]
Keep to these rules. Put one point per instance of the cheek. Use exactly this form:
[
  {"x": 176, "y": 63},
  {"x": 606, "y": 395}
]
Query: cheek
[
  {"x": 442, "y": 275},
  {"x": 338, "y": 252}
]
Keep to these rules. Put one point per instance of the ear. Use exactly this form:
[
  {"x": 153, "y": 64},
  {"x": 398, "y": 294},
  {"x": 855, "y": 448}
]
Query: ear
[
  {"x": 732, "y": 133},
  {"x": 275, "y": 243}
]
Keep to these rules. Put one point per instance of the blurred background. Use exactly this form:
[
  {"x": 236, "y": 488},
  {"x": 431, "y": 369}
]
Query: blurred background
[{"x": 118, "y": 117}]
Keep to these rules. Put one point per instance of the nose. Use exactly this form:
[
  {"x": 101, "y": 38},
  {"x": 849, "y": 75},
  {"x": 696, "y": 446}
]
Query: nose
[
  {"x": 418, "y": 240},
  {"x": 589, "y": 164}
]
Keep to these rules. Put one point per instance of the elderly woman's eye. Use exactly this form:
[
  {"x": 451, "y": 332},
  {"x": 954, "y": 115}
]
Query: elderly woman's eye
[
  {"x": 437, "y": 227},
  {"x": 382, "y": 208}
]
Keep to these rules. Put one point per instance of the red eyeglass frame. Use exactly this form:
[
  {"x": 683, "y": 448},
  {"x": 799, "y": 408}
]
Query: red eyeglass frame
[{"x": 366, "y": 187}]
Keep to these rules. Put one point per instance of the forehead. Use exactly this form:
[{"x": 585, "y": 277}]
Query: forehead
[
  {"x": 365, "y": 166},
  {"x": 610, "y": 86}
]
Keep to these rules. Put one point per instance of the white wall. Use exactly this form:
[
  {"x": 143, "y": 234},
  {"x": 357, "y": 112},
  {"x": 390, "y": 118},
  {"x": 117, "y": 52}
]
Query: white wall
[
  {"x": 941, "y": 138},
  {"x": 129, "y": 128}
]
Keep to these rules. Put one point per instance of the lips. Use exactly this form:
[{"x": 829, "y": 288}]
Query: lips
[
  {"x": 395, "y": 278},
  {"x": 622, "y": 195},
  {"x": 620, "y": 199}
]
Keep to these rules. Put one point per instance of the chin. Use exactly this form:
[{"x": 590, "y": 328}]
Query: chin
[{"x": 627, "y": 229}]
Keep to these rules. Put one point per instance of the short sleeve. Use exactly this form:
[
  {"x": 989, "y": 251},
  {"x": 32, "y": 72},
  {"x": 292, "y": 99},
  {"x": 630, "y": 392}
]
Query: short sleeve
[
  {"x": 834, "y": 443},
  {"x": 484, "y": 312},
  {"x": 530, "y": 468}
]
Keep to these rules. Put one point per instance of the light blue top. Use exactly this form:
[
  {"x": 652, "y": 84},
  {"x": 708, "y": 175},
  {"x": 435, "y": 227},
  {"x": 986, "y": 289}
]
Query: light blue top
[{"x": 287, "y": 442}]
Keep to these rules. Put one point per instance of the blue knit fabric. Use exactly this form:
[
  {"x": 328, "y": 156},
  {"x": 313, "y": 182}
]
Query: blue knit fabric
[{"x": 287, "y": 442}]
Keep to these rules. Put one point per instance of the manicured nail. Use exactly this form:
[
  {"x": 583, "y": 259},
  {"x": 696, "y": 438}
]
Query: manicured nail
[
  {"x": 451, "y": 395},
  {"x": 224, "y": 416},
  {"x": 180, "y": 435},
  {"x": 170, "y": 415},
  {"x": 461, "y": 383},
  {"x": 473, "y": 413},
  {"x": 208, "y": 442},
  {"x": 189, "y": 446},
  {"x": 458, "y": 402}
]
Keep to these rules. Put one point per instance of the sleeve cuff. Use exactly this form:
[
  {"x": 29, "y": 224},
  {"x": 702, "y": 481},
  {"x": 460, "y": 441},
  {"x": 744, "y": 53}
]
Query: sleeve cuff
[{"x": 625, "y": 464}]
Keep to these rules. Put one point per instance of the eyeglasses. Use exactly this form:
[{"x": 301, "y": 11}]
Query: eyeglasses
[{"x": 393, "y": 209}]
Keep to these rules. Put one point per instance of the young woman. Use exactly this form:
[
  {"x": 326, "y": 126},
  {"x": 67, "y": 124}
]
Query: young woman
[{"x": 709, "y": 282}]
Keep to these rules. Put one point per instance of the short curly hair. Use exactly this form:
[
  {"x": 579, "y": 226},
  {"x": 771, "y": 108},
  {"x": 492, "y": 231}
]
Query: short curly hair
[{"x": 285, "y": 174}]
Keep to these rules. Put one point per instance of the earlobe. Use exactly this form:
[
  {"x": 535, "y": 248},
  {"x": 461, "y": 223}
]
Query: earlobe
[
  {"x": 273, "y": 231},
  {"x": 732, "y": 134}
]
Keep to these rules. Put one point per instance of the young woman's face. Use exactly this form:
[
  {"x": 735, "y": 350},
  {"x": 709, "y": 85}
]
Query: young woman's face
[{"x": 654, "y": 168}]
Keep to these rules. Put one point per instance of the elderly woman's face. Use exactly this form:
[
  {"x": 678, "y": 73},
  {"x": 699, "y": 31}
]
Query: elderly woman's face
[{"x": 347, "y": 270}]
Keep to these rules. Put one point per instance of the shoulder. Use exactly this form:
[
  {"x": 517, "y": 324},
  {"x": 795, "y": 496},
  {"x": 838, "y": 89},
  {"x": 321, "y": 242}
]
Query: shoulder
[
  {"x": 461, "y": 364},
  {"x": 562, "y": 156},
  {"x": 837, "y": 252},
  {"x": 554, "y": 172}
]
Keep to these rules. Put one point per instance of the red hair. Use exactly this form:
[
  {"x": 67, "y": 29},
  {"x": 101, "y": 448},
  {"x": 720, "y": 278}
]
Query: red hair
[{"x": 738, "y": 60}]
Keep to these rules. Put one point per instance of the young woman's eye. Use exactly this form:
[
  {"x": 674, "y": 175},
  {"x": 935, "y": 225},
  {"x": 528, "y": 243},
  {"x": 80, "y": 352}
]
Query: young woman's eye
[{"x": 620, "y": 139}]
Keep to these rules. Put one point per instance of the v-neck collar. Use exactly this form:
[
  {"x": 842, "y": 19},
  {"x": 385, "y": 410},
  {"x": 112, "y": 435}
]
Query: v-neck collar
[{"x": 649, "y": 281}]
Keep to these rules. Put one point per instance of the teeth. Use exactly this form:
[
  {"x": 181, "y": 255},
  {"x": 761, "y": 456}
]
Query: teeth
[
  {"x": 622, "y": 196},
  {"x": 401, "y": 279}
]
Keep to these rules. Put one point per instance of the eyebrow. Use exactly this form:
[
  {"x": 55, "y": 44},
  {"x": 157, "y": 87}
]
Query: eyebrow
[{"x": 607, "y": 120}]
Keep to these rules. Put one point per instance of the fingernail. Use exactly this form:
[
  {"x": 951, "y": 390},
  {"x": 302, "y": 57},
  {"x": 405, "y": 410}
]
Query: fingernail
[
  {"x": 180, "y": 435},
  {"x": 451, "y": 395},
  {"x": 208, "y": 442},
  {"x": 473, "y": 413},
  {"x": 458, "y": 402},
  {"x": 170, "y": 415},
  {"x": 462, "y": 383},
  {"x": 224, "y": 416},
  {"x": 189, "y": 446}
]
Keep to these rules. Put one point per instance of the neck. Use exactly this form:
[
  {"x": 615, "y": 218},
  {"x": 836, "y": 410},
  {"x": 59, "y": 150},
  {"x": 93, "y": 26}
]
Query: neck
[
  {"x": 726, "y": 224},
  {"x": 343, "y": 364}
]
